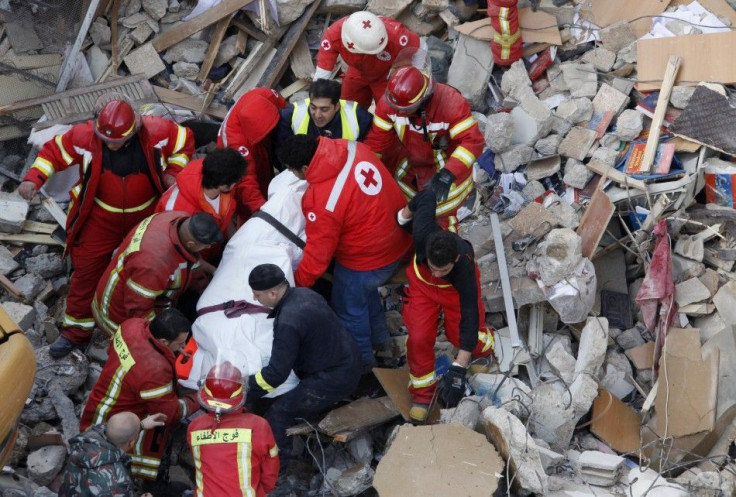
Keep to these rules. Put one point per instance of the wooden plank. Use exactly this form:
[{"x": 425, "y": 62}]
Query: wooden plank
[
  {"x": 55, "y": 210},
  {"x": 616, "y": 175},
  {"x": 36, "y": 227},
  {"x": 189, "y": 102},
  {"x": 240, "y": 74},
  {"x": 241, "y": 42},
  {"x": 615, "y": 423},
  {"x": 71, "y": 59},
  {"x": 276, "y": 68},
  {"x": 358, "y": 415},
  {"x": 250, "y": 30},
  {"x": 32, "y": 238},
  {"x": 673, "y": 64},
  {"x": 595, "y": 221},
  {"x": 215, "y": 40},
  {"x": 301, "y": 62},
  {"x": 294, "y": 87},
  {"x": 10, "y": 287},
  {"x": 396, "y": 384},
  {"x": 188, "y": 28}
]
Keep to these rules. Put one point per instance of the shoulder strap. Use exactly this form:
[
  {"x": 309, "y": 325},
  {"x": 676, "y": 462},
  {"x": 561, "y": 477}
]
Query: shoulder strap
[{"x": 280, "y": 228}]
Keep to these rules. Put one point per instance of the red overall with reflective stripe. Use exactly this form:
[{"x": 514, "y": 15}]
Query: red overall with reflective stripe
[{"x": 506, "y": 45}]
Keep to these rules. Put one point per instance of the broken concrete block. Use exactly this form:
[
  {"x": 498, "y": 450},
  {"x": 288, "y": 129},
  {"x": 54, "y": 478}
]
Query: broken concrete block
[
  {"x": 502, "y": 389},
  {"x": 30, "y": 285},
  {"x": 561, "y": 361},
  {"x": 515, "y": 79},
  {"x": 97, "y": 60},
  {"x": 680, "y": 96},
  {"x": 629, "y": 124},
  {"x": 581, "y": 79},
  {"x": 45, "y": 265},
  {"x": 684, "y": 269},
  {"x": 361, "y": 447},
  {"x": 516, "y": 446},
  {"x": 616, "y": 373},
  {"x": 575, "y": 110},
  {"x": 724, "y": 301},
  {"x": 604, "y": 156},
  {"x": 543, "y": 168},
  {"x": 531, "y": 122},
  {"x": 467, "y": 413},
  {"x": 227, "y": 52},
  {"x": 599, "y": 468},
  {"x": 556, "y": 256},
  {"x": 187, "y": 51},
  {"x": 512, "y": 158},
  {"x": 7, "y": 263},
  {"x": 576, "y": 174},
  {"x": 186, "y": 70},
  {"x": 155, "y": 8},
  {"x": 592, "y": 349},
  {"x": 565, "y": 213},
  {"x": 100, "y": 32},
  {"x": 609, "y": 99},
  {"x": 498, "y": 132},
  {"x": 552, "y": 416},
  {"x": 556, "y": 79},
  {"x": 577, "y": 143},
  {"x": 13, "y": 212},
  {"x": 23, "y": 315},
  {"x": 601, "y": 58},
  {"x": 45, "y": 463},
  {"x": 144, "y": 60},
  {"x": 649, "y": 483},
  {"x": 617, "y": 36},
  {"x": 691, "y": 291},
  {"x": 452, "y": 453},
  {"x": 69, "y": 372},
  {"x": 533, "y": 189},
  {"x": 341, "y": 7},
  {"x": 388, "y": 8},
  {"x": 630, "y": 338},
  {"x": 135, "y": 20},
  {"x": 140, "y": 34},
  {"x": 470, "y": 69},
  {"x": 547, "y": 146},
  {"x": 710, "y": 325},
  {"x": 711, "y": 280}
]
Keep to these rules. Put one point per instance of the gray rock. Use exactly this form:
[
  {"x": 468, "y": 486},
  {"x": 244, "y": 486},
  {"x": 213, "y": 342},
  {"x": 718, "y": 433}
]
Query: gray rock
[
  {"x": 515, "y": 79},
  {"x": 353, "y": 480},
  {"x": 556, "y": 256},
  {"x": 342, "y": 7},
  {"x": 581, "y": 79},
  {"x": 467, "y": 413},
  {"x": 361, "y": 448},
  {"x": 186, "y": 70},
  {"x": 629, "y": 124},
  {"x": 388, "y": 8},
  {"x": 131, "y": 7},
  {"x": 136, "y": 20},
  {"x": 680, "y": 96},
  {"x": 13, "y": 212},
  {"x": 498, "y": 132},
  {"x": 174, "y": 6},
  {"x": 227, "y": 52},
  {"x": 575, "y": 110},
  {"x": 630, "y": 338},
  {"x": 30, "y": 285},
  {"x": 470, "y": 69},
  {"x": 38, "y": 410},
  {"x": 601, "y": 58},
  {"x": 23, "y": 315},
  {"x": 577, "y": 175},
  {"x": 45, "y": 463},
  {"x": 533, "y": 189},
  {"x": 141, "y": 33},
  {"x": 548, "y": 145},
  {"x": 514, "y": 157},
  {"x": 46, "y": 265},
  {"x": 556, "y": 79},
  {"x": 7, "y": 263},
  {"x": 155, "y": 8},
  {"x": 627, "y": 54},
  {"x": 189, "y": 50},
  {"x": 604, "y": 156},
  {"x": 100, "y": 32},
  {"x": 616, "y": 36},
  {"x": 68, "y": 372}
]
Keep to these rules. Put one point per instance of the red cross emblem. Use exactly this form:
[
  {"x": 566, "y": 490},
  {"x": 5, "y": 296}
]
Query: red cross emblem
[
  {"x": 368, "y": 178},
  {"x": 366, "y": 24},
  {"x": 351, "y": 45},
  {"x": 326, "y": 44}
]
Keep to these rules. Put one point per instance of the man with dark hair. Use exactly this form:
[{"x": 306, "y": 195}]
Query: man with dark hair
[
  {"x": 206, "y": 185},
  {"x": 324, "y": 114},
  {"x": 443, "y": 276},
  {"x": 98, "y": 463},
  {"x": 309, "y": 339},
  {"x": 350, "y": 207},
  {"x": 139, "y": 377},
  {"x": 153, "y": 267}
]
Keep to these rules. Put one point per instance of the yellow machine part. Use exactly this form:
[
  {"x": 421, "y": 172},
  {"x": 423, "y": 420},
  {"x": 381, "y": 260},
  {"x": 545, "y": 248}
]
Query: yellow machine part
[{"x": 17, "y": 373}]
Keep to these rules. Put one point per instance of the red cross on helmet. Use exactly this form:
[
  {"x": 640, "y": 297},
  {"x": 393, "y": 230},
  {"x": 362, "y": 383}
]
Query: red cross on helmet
[
  {"x": 116, "y": 122},
  {"x": 364, "y": 33},
  {"x": 407, "y": 88},
  {"x": 223, "y": 389}
]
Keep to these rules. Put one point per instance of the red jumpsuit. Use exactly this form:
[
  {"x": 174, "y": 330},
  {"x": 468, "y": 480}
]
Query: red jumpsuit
[
  {"x": 138, "y": 377},
  {"x": 150, "y": 270},
  {"x": 350, "y": 207},
  {"x": 366, "y": 77},
  {"x": 452, "y": 141},
  {"x": 104, "y": 205},
  {"x": 247, "y": 128},
  {"x": 235, "y": 457},
  {"x": 188, "y": 195}
]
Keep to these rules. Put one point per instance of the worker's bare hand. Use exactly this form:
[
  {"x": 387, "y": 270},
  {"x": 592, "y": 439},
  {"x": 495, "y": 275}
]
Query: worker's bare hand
[
  {"x": 154, "y": 420},
  {"x": 27, "y": 189}
]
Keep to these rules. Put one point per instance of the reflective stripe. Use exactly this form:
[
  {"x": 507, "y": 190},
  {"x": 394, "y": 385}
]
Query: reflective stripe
[
  {"x": 421, "y": 278},
  {"x": 381, "y": 123},
  {"x": 198, "y": 479},
  {"x": 142, "y": 471},
  {"x": 43, "y": 165},
  {"x": 244, "y": 474},
  {"x": 75, "y": 191},
  {"x": 172, "y": 199},
  {"x": 146, "y": 460},
  {"x": 263, "y": 383},
  {"x": 422, "y": 381},
  {"x": 178, "y": 159},
  {"x": 87, "y": 324},
  {"x": 116, "y": 210},
  {"x": 463, "y": 125},
  {"x": 154, "y": 393},
  {"x": 64, "y": 154},
  {"x": 273, "y": 451},
  {"x": 181, "y": 139},
  {"x": 486, "y": 338},
  {"x": 464, "y": 155},
  {"x": 110, "y": 398},
  {"x": 349, "y": 120},
  {"x": 184, "y": 409},
  {"x": 341, "y": 178},
  {"x": 141, "y": 290},
  {"x": 300, "y": 117},
  {"x": 458, "y": 194},
  {"x": 503, "y": 19}
]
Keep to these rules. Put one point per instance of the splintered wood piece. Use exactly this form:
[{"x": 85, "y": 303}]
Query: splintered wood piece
[
  {"x": 673, "y": 65},
  {"x": 358, "y": 415}
]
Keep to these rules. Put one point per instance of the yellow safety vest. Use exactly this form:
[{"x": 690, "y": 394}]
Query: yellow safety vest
[{"x": 348, "y": 117}]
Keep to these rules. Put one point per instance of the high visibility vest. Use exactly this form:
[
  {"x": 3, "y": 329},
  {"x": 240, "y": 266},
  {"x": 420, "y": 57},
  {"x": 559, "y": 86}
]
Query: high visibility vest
[{"x": 348, "y": 118}]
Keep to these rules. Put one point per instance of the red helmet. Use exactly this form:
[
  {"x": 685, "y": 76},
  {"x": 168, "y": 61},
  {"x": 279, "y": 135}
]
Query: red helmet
[
  {"x": 116, "y": 122},
  {"x": 408, "y": 88},
  {"x": 223, "y": 389}
]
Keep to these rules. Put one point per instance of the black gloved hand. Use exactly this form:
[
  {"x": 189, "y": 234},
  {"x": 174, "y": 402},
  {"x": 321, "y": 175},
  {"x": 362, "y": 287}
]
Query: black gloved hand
[
  {"x": 452, "y": 386},
  {"x": 441, "y": 183}
]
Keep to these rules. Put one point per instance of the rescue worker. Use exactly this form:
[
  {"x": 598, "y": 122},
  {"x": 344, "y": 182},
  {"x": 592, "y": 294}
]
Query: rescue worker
[
  {"x": 247, "y": 128},
  {"x": 440, "y": 138},
  {"x": 125, "y": 162},
  {"x": 443, "y": 276},
  {"x": 206, "y": 185},
  {"x": 308, "y": 339},
  {"x": 324, "y": 114},
  {"x": 99, "y": 463},
  {"x": 139, "y": 377},
  {"x": 350, "y": 207},
  {"x": 153, "y": 267},
  {"x": 234, "y": 451},
  {"x": 368, "y": 44}
]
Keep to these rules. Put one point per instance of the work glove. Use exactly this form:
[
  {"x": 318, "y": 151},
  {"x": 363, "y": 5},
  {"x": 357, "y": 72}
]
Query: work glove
[
  {"x": 441, "y": 183},
  {"x": 452, "y": 386}
]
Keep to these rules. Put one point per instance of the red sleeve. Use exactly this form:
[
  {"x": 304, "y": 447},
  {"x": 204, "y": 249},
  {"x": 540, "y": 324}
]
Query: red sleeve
[
  {"x": 381, "y": 135},
  {"x": 142, "y": 286},
  {"x": 160, "y": 396},
  {"x": 179, "y": 149},
  {"x": 329, "y": 47},
  {"x": 323, "y": 233},
  {"x": 56, "y": 155},
  {"x": 467, "y": 140},
  {"x": 248, "y": 192}
]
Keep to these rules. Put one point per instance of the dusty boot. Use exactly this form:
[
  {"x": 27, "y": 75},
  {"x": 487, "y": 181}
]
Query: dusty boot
[
  {"x": 418, "y": 413},
  {"x": 62, "y": 347}
]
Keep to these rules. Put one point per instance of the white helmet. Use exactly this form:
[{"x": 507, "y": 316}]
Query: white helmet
[{"x": 364, "y": 33}]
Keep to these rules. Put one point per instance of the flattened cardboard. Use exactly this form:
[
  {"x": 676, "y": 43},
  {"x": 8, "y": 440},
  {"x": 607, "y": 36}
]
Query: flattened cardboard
[
  {"x": 703, "y": 59},
  {"x": 725, "y": 343},
  {"x": 642, "y": 356},
  {"x": 438, "y": 461},
  {"x": 396, "y": 384},
  {"x": 536, "y": 27},
  {"x": 607, "y": 12},
  {"x": 615, "y": 423},
  {"x": 688, "y": 385}
]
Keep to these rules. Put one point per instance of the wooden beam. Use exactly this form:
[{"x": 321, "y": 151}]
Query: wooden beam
[
  {"x": 275, "y": 69},
  {"x": 215, "y": 40},
  {"x": 240, "y": 74},
  {"x": 241, "y": 42},
  {"x": 301, "y": 61},
  {"x": 250, "y": 30},
  {"x": 673, "y": 65},
  {"x": 36, "y": 227},
  {"x": 10, "y": 287},
  {"x": 30, "y": 238},
  {"x": 188, "y": 102},
  {"x": 188, "y": 28},
  {"x": 71, "y": 60}
]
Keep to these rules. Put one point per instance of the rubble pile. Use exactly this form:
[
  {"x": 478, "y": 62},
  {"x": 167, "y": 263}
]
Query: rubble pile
[{"x": 613, "y": 373}]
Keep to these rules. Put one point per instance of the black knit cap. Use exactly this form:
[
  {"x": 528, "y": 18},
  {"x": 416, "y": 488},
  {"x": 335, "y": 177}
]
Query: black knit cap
[
  {"x": 265, "y": 277},
  {"x": 204, "y": 229}
]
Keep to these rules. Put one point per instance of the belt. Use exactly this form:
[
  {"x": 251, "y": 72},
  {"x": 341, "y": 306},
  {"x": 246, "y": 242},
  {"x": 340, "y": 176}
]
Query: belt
[
  {"x": 138, "y": 208},
  {"x": 234, "y": 308}
]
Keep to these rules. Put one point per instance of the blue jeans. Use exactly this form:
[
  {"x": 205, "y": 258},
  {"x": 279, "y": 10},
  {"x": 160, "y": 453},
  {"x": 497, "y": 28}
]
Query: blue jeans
[{"x": 357, "y": 304}]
